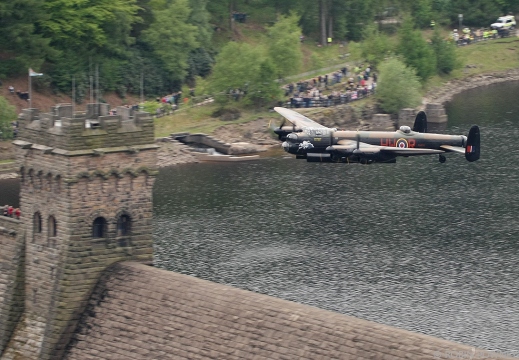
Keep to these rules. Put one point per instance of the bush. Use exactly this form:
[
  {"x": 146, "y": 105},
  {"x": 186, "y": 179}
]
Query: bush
[{"x": 398, "y": 86}]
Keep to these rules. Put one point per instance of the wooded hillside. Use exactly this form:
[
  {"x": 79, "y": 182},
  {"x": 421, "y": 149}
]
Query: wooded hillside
[{"x": 161, "y": 44}]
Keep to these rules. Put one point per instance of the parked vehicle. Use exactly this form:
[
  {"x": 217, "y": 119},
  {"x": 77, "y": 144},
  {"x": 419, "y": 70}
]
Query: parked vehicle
[{"x": 504, "y": 22}]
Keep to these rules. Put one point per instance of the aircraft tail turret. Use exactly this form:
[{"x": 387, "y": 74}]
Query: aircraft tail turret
[
  {"x": 420, "y": 122},
  {"x": 473, "y": 144}
]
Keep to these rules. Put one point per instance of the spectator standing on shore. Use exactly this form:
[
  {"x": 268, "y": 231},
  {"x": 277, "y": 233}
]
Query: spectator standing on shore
[{"x": 17, "y": 213}]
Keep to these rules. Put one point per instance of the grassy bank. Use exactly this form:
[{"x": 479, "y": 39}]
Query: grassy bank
[
  {"x": 479, "y": 58},
  {"x": 199, "y": 120}
]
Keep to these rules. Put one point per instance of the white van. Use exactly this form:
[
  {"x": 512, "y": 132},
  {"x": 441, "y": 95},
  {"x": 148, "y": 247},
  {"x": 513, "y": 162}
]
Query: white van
[{"x": 504, "y": 22}]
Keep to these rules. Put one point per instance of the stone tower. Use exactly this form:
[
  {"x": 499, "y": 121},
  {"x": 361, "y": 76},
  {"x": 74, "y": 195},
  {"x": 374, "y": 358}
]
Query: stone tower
[{"x": 86, "y": 190}]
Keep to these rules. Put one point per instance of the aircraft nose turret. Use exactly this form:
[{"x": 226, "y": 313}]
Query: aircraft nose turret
[
  {"x": 292, "y": 137},
  {"x": 291, "y": 147}
]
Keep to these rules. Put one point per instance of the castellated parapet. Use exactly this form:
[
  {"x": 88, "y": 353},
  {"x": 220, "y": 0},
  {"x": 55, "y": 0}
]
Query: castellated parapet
[
  {"x": 94, "y": 128},
  {"x": 86, "y": 189}
]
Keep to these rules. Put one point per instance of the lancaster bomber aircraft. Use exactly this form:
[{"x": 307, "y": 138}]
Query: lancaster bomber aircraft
[{"x": 314, "y": 142}]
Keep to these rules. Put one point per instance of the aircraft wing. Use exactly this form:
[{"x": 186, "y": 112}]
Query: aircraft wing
[
  {"x": 373, "y": 149},
  {"x": 297, "y": 119},
  {"x": 409, "y": 151},
  {"x": 352, "y": 145},
  {"x": 457, "y": 149}
]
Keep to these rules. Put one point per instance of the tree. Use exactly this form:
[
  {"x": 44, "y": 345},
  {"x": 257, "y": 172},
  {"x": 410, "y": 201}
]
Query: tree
[
  {"x": 416, "y": 52},
  {"x": 265, "y": 90},
  {"x": 200, "y": 59},
  {"x": 7, "y": 115},
  {"x": 20, "y": 44},
  {"x": 89, "y": 26},
  {"x": 376, "y": 46},
  {"x": 398, "y": 86},
  {"x": 284, "y": 46},
  {"x": 199, "y": 17},
  {"x": 445, "y": 52},
  {"x": 172, "y": 38},
  {"x": 475, "y": 12},
  {"x": 358, "y": 14},
  {"x": 235, "y": 72}
]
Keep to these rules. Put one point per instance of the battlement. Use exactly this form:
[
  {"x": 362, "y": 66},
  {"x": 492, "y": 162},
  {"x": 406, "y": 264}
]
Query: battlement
[{"x": 94, "y": 128}]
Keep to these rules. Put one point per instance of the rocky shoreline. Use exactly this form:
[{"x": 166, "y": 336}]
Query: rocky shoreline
[{"x": 446, "y": 92}]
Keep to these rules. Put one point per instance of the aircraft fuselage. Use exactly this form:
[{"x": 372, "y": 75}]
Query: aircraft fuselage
[{"x": 316, "y": 141}]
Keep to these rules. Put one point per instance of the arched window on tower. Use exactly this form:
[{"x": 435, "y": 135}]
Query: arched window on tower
[
  {"x": 52, "y": 228},
  {"x": 36, "y": 225},
  {"x": 123, "y": 225},
  {"x": 52, "y": 231},
  {"x": 99, "y": 228}
]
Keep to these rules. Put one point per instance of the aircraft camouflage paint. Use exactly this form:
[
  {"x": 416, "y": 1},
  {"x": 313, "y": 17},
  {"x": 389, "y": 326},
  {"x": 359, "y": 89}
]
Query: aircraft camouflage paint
[{"x": 314, "y": 142}]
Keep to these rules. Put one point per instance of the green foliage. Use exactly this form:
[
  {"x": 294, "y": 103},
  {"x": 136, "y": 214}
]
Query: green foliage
[
  {"x": 199, "y": 17},
  {"x": 151, "y": 106},
  {"x": 421, "y": 12},
  {"x": 20, "y": 43},
  {"x": 284, "y": 46},
  {"x": 172, "y": 38},
  {"x": 200, "y": 63},
  {"x": 475, "y": 12},
  {"x": 445, "y": 52},
  {"x": 358, "y": 14},
  {"x": 376, "y": 46},
  {"x": 237, "y": 66},
  {"x": 88, "y": 26},
  {"x": 317, "y": 61},
  {"x": 415, "y": 50},
  {"x": 7, "y": 115},
  {"x": 170, "y": 42},
  {"x": 264, "y": 90},
  {"x": 398, "y": 86},
  {"x": 355, "y": 50}
]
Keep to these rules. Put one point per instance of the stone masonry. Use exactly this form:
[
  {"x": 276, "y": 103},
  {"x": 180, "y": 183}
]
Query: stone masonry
[
  {"x": 140, "y": 312},
  {"x": 86, "y": 182},
  {"x": 11, "y": 277}
]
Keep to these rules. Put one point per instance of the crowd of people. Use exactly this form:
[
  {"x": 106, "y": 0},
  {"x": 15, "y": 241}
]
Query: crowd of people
[
  {"x": 323, "y": 90},
  {"x": 12, "y": 212},
  {"x": 468, "y": 36}
]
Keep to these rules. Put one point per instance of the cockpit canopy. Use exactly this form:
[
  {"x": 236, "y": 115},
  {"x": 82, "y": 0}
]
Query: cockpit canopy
[
  {"x": 318, "y": 131},
  {"x": 405, "y": 129}
]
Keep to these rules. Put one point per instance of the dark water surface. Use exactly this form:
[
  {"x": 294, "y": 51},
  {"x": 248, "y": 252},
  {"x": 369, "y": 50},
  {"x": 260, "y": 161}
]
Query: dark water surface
[{"x": 420, "y": 245}]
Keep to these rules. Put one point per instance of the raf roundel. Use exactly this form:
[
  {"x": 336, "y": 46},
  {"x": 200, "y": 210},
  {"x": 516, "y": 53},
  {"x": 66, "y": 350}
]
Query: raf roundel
[{"x": 401, "y": 143}]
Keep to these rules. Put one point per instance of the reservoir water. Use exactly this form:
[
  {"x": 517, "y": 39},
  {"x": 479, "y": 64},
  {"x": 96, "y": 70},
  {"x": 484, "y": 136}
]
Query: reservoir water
[{"x": 420, "y": 245}]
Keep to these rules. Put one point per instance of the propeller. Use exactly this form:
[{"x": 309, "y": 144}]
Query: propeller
[
  {"x": 277, "y": 130},
  {"x": 357, "y": 150}
]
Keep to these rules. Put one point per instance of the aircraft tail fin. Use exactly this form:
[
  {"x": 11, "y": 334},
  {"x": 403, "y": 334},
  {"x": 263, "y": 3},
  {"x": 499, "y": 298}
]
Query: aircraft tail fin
[
  {"x": 473, "y": 144},
  {"x": 420, "y": 122}
]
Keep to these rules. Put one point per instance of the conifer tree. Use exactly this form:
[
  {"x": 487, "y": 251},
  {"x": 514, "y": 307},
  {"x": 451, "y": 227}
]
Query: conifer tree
[
  {"x": 415, "y": 50},
  {"x": 172, "y": 38}
]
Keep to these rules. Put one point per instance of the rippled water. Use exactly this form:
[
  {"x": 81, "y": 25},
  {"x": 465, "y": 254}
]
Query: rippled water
[{"x": 424, "y": 246}]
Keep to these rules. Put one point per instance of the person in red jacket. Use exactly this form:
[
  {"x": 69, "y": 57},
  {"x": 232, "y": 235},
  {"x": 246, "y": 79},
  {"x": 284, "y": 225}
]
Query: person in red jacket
[{"x": 17, "y": 213}]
